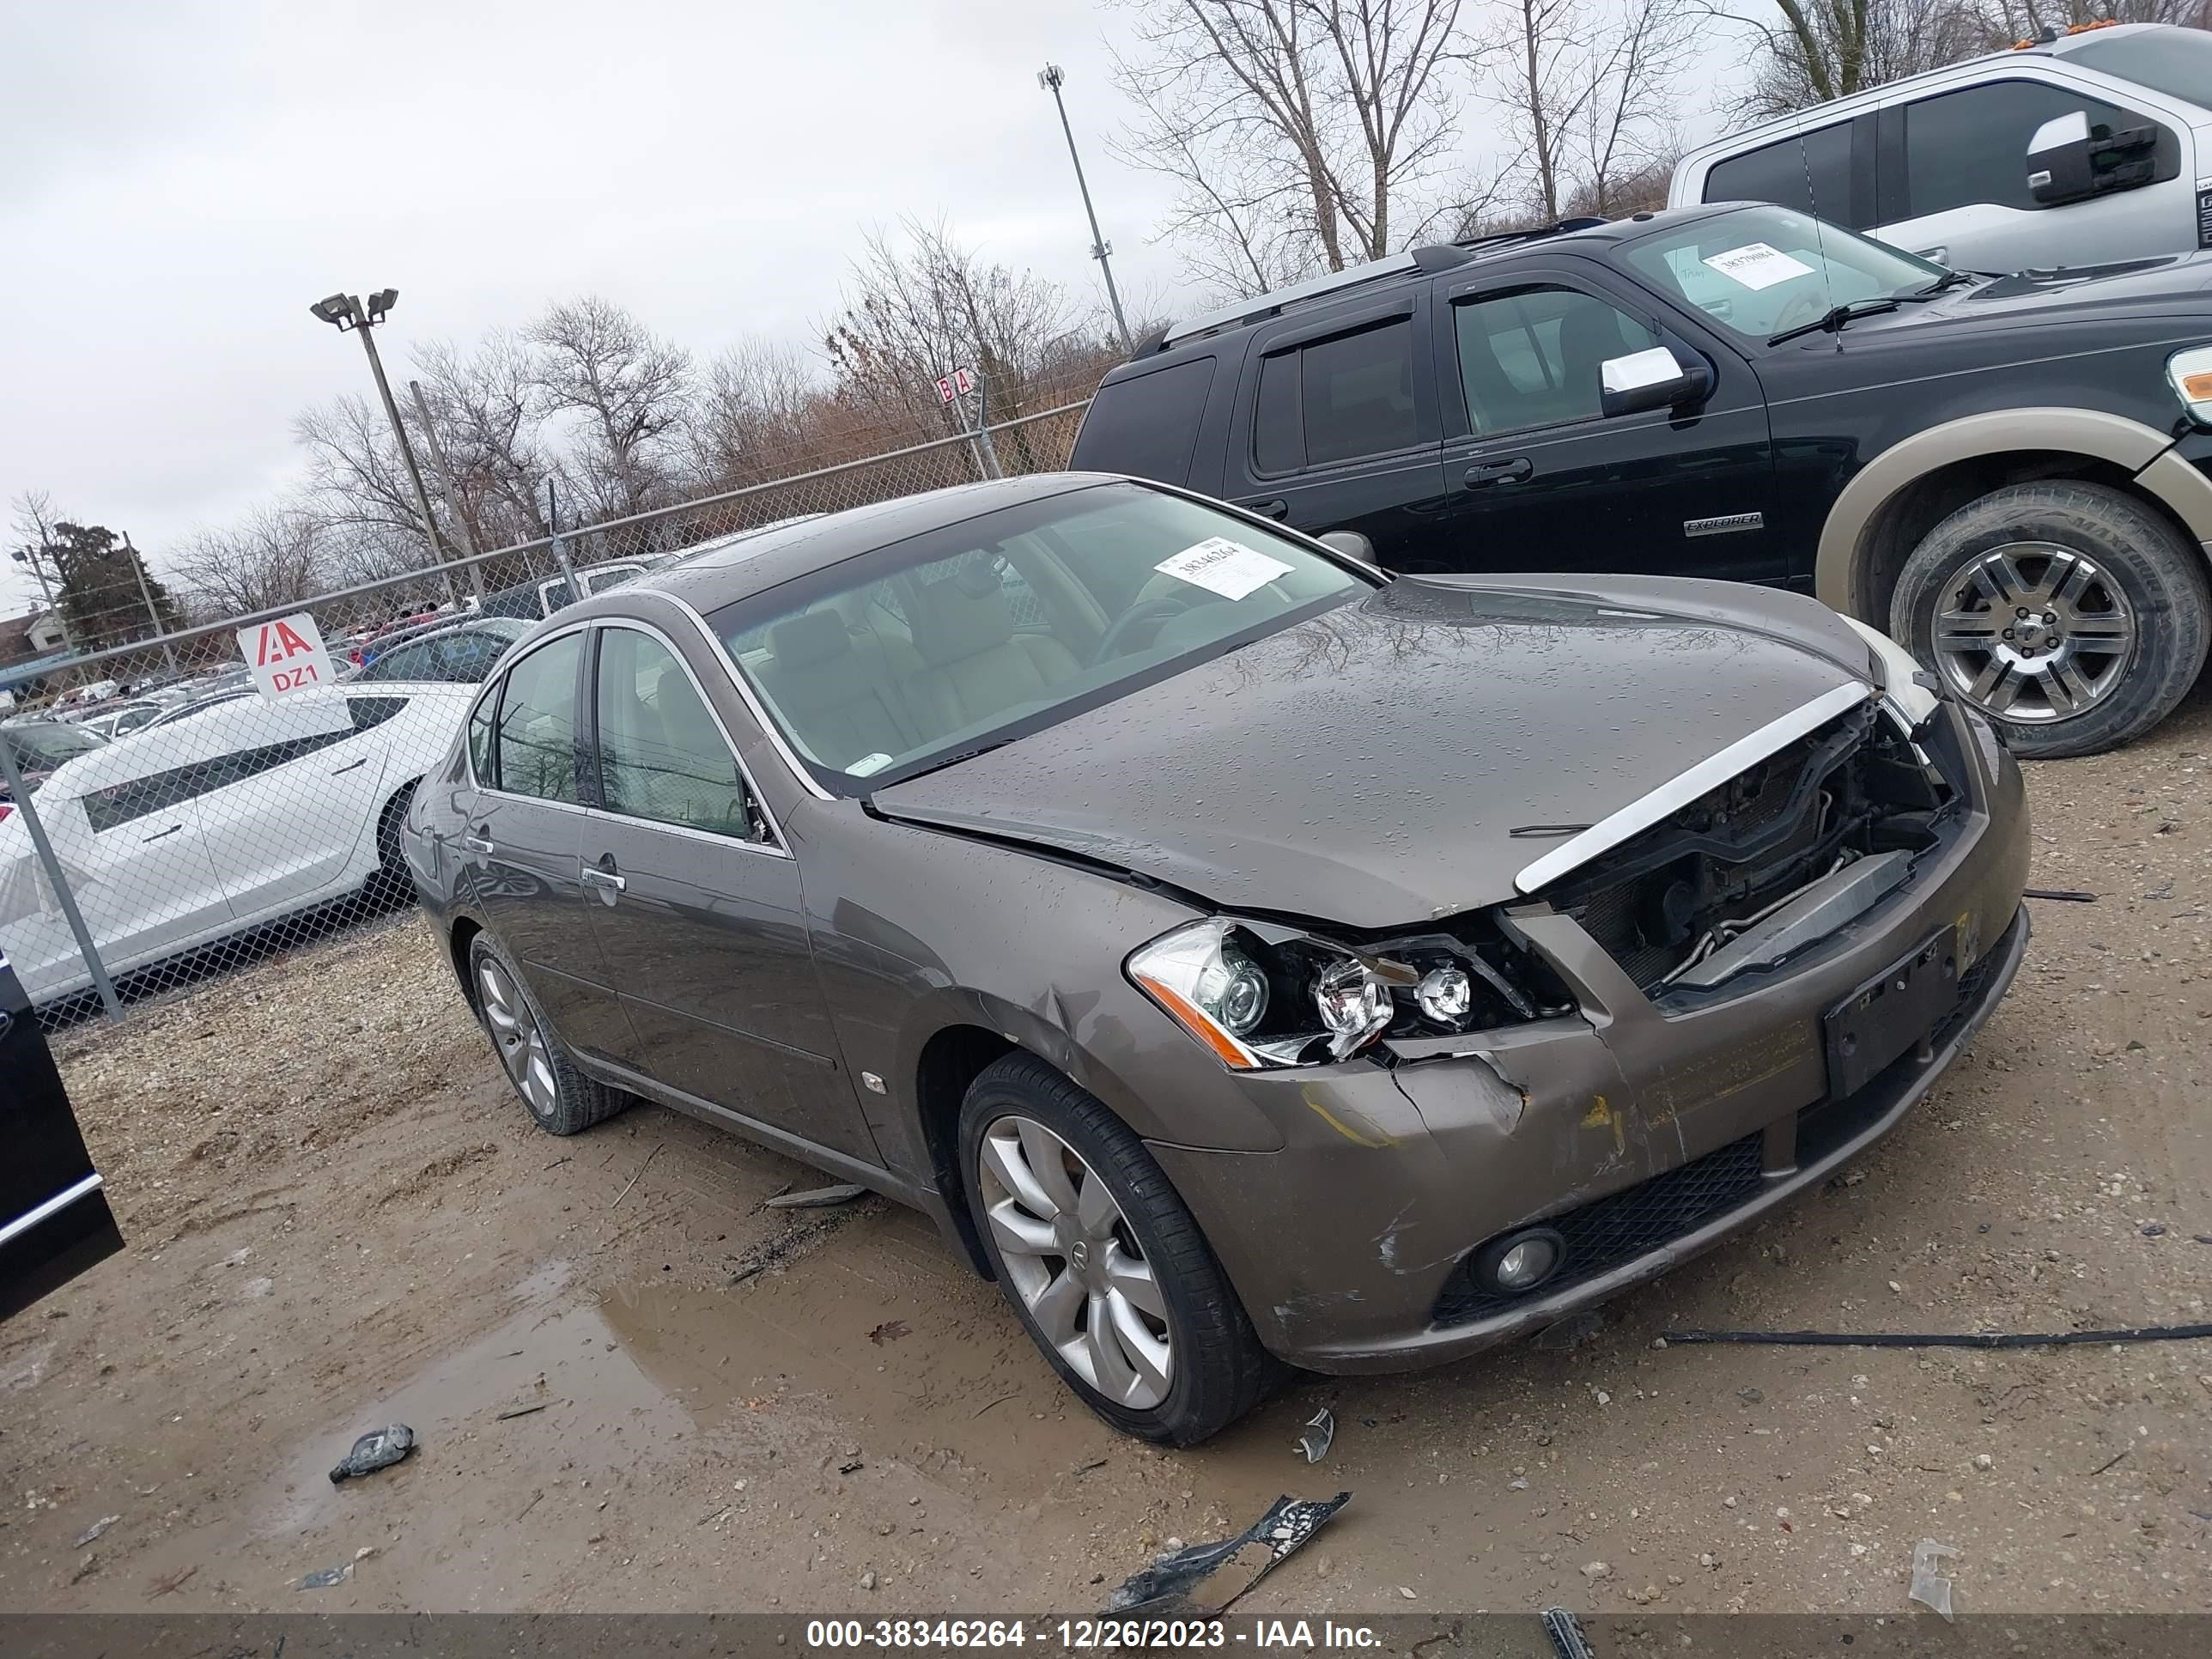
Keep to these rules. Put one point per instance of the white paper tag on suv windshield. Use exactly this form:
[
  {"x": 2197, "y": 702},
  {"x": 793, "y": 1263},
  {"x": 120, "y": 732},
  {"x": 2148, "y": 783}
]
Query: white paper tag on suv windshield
[
  {"x": 1221, "y": 565},
  {"x": 1756, "y": 266}
]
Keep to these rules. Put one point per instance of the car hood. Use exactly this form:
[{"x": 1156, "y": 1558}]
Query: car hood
[
  {"x": 2143, "y": 288},
  {"x": 1371, "y": 767}
]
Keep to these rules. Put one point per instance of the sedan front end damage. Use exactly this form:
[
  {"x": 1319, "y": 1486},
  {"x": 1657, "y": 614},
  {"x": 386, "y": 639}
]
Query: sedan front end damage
[{"x": 1664, "y": 1107}]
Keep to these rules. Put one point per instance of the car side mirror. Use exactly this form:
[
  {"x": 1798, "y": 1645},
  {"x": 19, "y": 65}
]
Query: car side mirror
[
  {"x": 2070, "y": 160},
  {"x": 1652, "y": 378},
  {"x": 1352, "y": 545}
]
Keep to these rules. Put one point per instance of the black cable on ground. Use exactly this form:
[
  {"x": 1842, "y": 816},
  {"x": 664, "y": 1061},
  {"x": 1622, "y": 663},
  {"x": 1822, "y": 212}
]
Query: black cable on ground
[{"x": 1944, "y": 1338}]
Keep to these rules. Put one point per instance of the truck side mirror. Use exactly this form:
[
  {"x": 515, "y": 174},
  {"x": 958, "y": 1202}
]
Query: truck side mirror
[
  {"x": 1653, "y": 378},
  {"x": 2070, "y": 160}
]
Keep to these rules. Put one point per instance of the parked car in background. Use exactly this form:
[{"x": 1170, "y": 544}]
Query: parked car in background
[
  {"x": 55, "y": 1222},
  {"x": 2082, "y": 149},
  {"x": 122, "y": 718},
  {"x": 241, "y": 811},
  {"x": 38, "y": 747},
  {"x": 1226, "y": 945},
  {"x": 536, "y": 600},
  {"x": 1740, "y": 392},
  {"x": 457, "y": 652}
]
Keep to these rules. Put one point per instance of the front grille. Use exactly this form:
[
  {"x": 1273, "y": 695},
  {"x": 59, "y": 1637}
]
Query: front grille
[{"x": 1622, "y": 1226}]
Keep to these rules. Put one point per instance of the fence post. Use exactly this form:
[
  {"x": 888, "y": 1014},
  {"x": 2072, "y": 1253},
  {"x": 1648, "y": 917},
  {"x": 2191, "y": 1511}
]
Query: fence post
[
  {"x": 987, "y": 454},
  {"x": 20, "y": 793}
]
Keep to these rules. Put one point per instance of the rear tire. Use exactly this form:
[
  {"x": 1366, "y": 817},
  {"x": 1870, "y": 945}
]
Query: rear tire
[
  {"x": 391, "y": 857},
  {"x": 2071, "y": 614},
  {"x": 1085, "y": 1234},
  {"x": 562, "y": 1100}
]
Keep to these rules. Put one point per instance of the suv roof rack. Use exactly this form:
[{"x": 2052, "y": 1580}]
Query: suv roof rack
[{"x": 1439, "y": 256}]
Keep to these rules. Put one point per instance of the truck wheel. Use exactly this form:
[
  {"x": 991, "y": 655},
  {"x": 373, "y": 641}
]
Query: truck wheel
[
  {"x": 2071, "y": 614},
  {"x": 1106, "y": 1269}
]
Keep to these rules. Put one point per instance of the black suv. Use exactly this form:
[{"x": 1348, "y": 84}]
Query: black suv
[{"x": 2013, "y": 475}]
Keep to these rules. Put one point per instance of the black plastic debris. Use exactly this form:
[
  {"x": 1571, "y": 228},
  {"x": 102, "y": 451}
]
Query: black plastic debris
[
  {"x": 1946, "y": 1339},
  {"x": 380, "y": 1448},
  {"x": 2064, "y": 895},
  {"x": 1319, "y": 1433},
  {"x": 816, "y": 1198},
  {"x": 1566, "y": 1633},
  {"x": 1212, "y": 1577}
]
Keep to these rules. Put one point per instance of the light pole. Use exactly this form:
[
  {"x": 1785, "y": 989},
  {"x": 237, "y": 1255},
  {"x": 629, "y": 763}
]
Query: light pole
[
  {"x": 345, "y": 312},
  {"x": 1050, "y": 78}
]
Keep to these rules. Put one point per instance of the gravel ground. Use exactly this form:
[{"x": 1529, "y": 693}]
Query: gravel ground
[{"x": 338, "y": 1216}]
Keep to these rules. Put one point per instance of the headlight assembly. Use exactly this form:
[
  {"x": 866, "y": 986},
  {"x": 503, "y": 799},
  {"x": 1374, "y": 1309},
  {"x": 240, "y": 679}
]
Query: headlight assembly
[
  {"x": 1913, "y": 702},
  {"x": 1261, "y": 995},
  {"x": 2189, "y": 374}
]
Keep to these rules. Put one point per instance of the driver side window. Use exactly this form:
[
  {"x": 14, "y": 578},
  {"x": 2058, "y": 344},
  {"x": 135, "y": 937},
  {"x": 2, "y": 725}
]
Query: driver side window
[{"x": 1532, "y": 357}]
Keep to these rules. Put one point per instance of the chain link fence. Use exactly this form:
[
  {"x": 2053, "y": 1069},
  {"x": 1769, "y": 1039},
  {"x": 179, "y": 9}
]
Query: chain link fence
[{"x": 163, "y": 820}]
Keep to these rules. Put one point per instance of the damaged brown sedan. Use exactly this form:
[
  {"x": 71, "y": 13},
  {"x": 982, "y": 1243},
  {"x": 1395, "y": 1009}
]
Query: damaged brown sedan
[{"x": 1244, "y": 957}]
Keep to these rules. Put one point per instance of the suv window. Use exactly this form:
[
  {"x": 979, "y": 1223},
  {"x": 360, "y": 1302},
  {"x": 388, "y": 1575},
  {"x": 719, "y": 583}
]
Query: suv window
[
  {"x": 1148, "y": 424},
  {"x": 1531, "y": 358},
  {"x": 1971, "y": 146},
  {"x": 537, "y": 740},
  {"x": 1811, "y": 172},
  {"x": 402, "y": 662},
  {"x": 1337, "y": 399},
  {"x": 662, "y": 755}
]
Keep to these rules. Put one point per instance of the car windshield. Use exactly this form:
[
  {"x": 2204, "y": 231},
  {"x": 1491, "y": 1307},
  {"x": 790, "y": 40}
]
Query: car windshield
[
  {"x": 1758, "y": 270},
  {"x": 882, "y": 666},
  {"x": 42, "y": 748}
]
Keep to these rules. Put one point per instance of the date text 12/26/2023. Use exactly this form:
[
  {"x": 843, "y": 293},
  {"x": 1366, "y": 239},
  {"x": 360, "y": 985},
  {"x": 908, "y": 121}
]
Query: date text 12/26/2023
[{"x": 945, "y": 1635}]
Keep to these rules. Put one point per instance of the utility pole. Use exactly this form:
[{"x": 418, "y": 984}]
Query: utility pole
[
  {"x": 345, "y": 312},
  {"x": 446, "y": 487},
  {"x": 1050, "y": 78},
  {"x": 28, "y": 554},
  {"x": 138, "y": 569}
]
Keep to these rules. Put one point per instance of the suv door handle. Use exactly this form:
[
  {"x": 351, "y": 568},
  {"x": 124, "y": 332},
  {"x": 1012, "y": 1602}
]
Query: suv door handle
[
  {"x": 1483, "y": 474},
  {"x": 1274, "y": 507},
  {"x": 606, "y": 881},
  {"x": 476, "y": 843}
]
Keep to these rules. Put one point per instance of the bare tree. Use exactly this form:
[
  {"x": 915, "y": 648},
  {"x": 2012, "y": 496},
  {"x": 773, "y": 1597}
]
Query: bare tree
[
  {"x": 1818, "y": 50},
  {"x": 277, "y": 556},
  {"x": 631, "y": 389},
  {"x": 356, "y": 481},
  {"x": 1305, "y": 134},
  {"x": 761, "y": 402},
  {"x": 2008, "y": 21},
  {"x": 490, "y": 417}
]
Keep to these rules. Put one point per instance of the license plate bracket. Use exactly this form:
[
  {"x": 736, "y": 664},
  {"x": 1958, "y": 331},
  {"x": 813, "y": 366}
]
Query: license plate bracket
[{"x": 1891, "y": 1013}]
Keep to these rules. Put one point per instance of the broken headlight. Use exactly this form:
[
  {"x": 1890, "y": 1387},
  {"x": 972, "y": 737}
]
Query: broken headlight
[{"x": 1259, "y": 995}]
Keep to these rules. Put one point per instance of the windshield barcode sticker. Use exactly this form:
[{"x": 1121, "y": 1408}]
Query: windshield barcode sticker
[
  {"x": 1221, "y": 565},
  {"x": 1756, "y": 266}
]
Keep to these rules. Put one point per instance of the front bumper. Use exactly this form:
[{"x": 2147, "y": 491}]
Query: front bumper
[{"x": 1645, "y": 1136}]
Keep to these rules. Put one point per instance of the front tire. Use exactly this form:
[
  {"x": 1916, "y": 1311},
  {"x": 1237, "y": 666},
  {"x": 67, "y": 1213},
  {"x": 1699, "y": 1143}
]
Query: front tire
[
  {"x": 562, "y": 1100},
  {"x": 2071, "y": 614},
  {"x": 1104, "y": 1266}
]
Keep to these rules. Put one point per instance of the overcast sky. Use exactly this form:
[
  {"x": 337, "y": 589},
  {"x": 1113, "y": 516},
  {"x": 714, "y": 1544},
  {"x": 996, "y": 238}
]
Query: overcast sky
[{"x": 182, "y": 177}]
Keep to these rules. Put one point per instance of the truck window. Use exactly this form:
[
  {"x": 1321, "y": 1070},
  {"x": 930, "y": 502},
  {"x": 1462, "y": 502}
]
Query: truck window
[
  {"x": 1147, "y": 425},
  {"x": 1811, "y": 172},
  {"x": 1337, "y": 399},
  {"x": 1971, "y": 147}
]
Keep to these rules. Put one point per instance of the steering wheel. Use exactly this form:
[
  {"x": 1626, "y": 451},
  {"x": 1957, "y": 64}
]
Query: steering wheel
[
  {"x": 1156, "y": 612},
  {"x": 1805, "y": 308}
]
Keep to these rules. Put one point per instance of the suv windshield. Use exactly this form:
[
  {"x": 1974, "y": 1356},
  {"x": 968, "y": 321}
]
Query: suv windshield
[
  {"x": 882, "y": 667},
  {"x": 1760, "y": 271}
]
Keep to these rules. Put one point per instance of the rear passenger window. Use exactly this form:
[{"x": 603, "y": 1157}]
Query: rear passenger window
[
  {"x": 1147, "y": 425},
  {"x": 1811, "y": 172},
  {"x": 1337, "y": 399},
  {"x": 537, "y": 741},
  {"x": 1970, "y": 147},
  {"x": 368, "y": 712}
]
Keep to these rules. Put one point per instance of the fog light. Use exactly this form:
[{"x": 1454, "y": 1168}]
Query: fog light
[{"x": 1520, "y": 1261}]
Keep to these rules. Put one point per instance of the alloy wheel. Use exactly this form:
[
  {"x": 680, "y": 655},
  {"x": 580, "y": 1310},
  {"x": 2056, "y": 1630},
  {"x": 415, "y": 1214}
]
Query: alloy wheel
[
  {"x": 1072, "y": 1258},
  {"x": 514, "y": 1033},
  {"x": 2033, "y": 632}
]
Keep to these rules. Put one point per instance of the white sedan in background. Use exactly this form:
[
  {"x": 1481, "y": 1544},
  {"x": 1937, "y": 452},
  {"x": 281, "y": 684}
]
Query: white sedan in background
[{"x": 220, "y": 818}]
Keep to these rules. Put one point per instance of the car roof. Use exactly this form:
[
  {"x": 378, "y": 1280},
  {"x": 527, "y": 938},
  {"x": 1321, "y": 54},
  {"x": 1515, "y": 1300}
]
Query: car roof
[
  {"x": 723, "y": 575},
  {"x": 1382, "y": 276}
]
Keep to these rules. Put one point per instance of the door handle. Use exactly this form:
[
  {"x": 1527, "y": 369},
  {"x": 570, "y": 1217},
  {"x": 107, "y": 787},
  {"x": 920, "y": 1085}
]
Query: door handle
[
  {"x": 350, "y": 766},
  {"x": 606, "y": 881},
  {"x": 163, "y": 834},
  {"x": 1483, "y": 474},
  {"x": 1274, "y": 507},
  {"x": 476, "y": 843}
]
